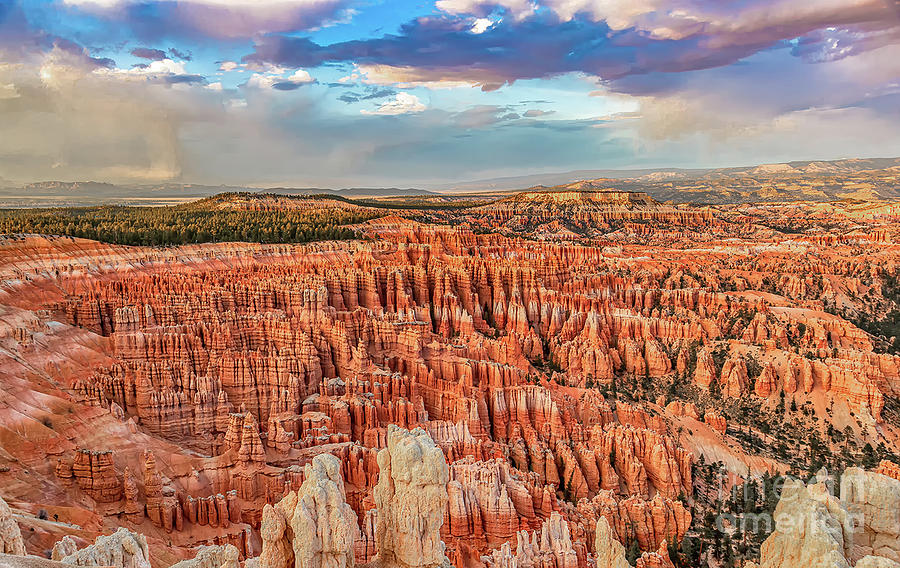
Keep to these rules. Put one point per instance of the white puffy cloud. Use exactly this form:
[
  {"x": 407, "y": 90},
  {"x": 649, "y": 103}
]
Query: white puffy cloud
[
  {"x": 161, "y": 67},
  {"x": 403, "y": 103},
  {"x": 276, "y": 79},
  {"x": 301, "y": 76},
  {"x": 261, "y": 81},
  {"x": 481, "y": 25}
]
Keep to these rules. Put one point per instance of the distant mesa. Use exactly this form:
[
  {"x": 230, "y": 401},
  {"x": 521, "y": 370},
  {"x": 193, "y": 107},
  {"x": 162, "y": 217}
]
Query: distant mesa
[{"x": 584, "y": 193}]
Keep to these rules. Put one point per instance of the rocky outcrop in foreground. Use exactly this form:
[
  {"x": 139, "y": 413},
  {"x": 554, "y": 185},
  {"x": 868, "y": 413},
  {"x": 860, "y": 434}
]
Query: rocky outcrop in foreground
[
  {"x": 312, "y": 527},
  {"x": 411, "y": 497},
  {"x": 226, "y": 556},
  {"x": 122, "y": 549},
  {"x": 815, "y": 528},
  {"x": 10, "y": 536}
]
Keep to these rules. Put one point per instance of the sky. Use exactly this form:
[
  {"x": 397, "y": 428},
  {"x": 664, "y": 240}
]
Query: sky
[{"x": 340, "y": 93}]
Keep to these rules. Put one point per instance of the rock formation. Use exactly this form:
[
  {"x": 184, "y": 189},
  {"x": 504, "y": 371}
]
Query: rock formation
[
  {"x": 551, "y": 547},
  {"x": 815, "y": 528},
  {"x": 559, "y": 382},
  {"x": 313, "y": 527},
  {"x": 735, "y": 382},
  {"x": 95, "y": 473},
  {"x": 10, "y": 535},
  {"x": 66, "y": 546},
  {"x": 608, "y": 552},
  {"x": 122, "y": 549},
  {"x": 411, "y": 497},
  {"x": 226, "y": 556}
]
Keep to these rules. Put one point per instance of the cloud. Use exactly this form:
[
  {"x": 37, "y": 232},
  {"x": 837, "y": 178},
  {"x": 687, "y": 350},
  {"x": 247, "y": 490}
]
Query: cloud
[
  {"x": 481, "y": 116},
  {"x": 301, "y": 77},
  {"x": 403, "y": 103},
  {"x": 94, "y": 123},
  {"x": 611, "y": 40},
  {"x": 724, "y": 23},
  {"x": 186, "y": 80},
  {"x": 73, "y": 119},
  {"x": 163, "y": 71},
  {"x": 286, "y": 86},
  {"x": 481, "y": 25},
  {"x": 370, "y": 93},
  {"x": 442, "y": 51},
  {"x": 518, "y": 8},
  {"x": 274, "y": 79},
  {"x": 537, "y": 113},
  {"x": 261, "y": 81},
  {"x": 183, "y": 55},
  {"x": 8, "y": 91},
  {"x": 148, "y": 53},
  {"x": 777, "y": 80},
  {"x": 224, "y": 19},
  {"x": 408, "y": 77},
  {"x": 832, "y": 44}
]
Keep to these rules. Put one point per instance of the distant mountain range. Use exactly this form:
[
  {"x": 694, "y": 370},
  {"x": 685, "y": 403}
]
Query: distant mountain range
[
  {"x": 812, "y": 167},
  {"x": 71, "y": 194},
  {"x": 712, "y": 185}
]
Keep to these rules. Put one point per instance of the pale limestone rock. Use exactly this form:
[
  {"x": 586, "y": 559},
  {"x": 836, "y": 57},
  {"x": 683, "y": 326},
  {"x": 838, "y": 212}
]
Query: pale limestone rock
[
  {"x": 63, "y": 548},
  {"x": 122, "y": 549},
  {"x": 608, "y": 552},
  {"x": 814, "y": 528},
  {"x": 313, "y": 527},
  {"x": 227, "y": 556},
  {"x": 411, "y": 497},
  {"x": 17, "y": 561},
  {"x": 277, "y": 550},
  {"x": 809, "y": 529},
  {"x": 10, "y": 536},
  {"x": 873, "y": 502},
  {"x": 876, "y": 562}
]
